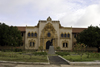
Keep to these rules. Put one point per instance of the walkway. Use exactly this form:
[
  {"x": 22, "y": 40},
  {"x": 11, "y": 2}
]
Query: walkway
[
  {"x": 51, "y": 65},
  {"x": 57, "y": 60}
]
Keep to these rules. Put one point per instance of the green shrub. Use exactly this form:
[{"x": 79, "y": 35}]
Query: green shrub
[
  {"x": 57, "y": 48},
  {"x": 41, "y": 48},
  {"x": 40, "y": 53},
  {"x": 18, "y": 50},
  {"x": 95, "y": 55},
  {"x": 63, "y": 53}
]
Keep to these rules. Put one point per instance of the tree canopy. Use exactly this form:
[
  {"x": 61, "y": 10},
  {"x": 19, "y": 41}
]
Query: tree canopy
[
  {"x": 9, "y": 35},
  {"x": 90, "y": 36}
]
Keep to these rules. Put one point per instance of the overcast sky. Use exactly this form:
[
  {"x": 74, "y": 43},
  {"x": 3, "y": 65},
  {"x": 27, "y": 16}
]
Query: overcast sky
[{"x": 75, "y": 13}]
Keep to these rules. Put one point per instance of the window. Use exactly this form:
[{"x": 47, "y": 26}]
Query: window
[
  {"x": 32, "y": 34},
  {"x": 66, "y": 45},
  {"x": 61, "y": 35},
  {"x": 63, "y": 44},
  {"x": 68, "y": 35},
  {"x": 35, "y": 34},
  {"x": 65, "y": 35},
  {"x": 22, "y": 33},
  {"x": 74, "y": 35},
  {"x": 28, "y": 34},
  {"x": 33, "y": 44},
  {"x": 49, "y": 34}
]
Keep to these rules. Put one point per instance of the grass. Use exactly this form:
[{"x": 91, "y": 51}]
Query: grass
[
  {"x": 76, "y": 58},
  {"x": 18, "y": 56},
  {"x": 38, "y": 57}
]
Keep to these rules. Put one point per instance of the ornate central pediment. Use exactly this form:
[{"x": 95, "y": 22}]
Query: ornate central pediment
[{"x": 48, "y": 27}]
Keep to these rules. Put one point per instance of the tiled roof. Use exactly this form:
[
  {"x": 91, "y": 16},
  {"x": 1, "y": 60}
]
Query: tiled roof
[
  {"x": 21, "y": 28},
  {"x": 77, "y": 30}
]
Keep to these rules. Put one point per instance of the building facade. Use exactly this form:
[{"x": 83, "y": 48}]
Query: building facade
[{"x": 46, "y": 30}]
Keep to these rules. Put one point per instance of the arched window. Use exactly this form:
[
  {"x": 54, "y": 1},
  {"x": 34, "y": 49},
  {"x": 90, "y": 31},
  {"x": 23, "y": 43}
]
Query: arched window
[
  {"x": 35, "y": 34},
  {"x": 65, "y": 35},
  {"x": 48, "y": 34},
  {"x": 61, "y": 35},
  {"x": 66, "y": 45},
  {"x": 28, "y": 34},
  {"x": 63, "y": 44},
  {"x": 68, "y": 35},
  {"x": 33, "y": 44},
  {"x": 32, "y": 34}
]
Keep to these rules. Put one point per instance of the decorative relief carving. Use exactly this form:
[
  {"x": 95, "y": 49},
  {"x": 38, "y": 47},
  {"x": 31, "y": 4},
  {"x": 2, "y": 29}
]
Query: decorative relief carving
[{"x": 48, "y": 29}]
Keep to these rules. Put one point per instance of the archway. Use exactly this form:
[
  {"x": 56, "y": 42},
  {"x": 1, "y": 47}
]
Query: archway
[{"x": 48, "y": 43}]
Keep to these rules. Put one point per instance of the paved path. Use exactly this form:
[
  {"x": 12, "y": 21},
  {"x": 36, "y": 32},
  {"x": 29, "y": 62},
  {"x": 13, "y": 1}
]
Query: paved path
[
  {"x": 51, "y": 65},
  {"x": 56, "y": 60}
]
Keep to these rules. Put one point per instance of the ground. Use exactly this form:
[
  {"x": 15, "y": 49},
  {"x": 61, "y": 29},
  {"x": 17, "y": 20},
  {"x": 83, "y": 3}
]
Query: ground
[{"x": 23, "y": 65}]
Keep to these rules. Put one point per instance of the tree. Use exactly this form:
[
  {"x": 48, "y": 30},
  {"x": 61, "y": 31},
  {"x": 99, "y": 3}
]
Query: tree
[
  {"x": 90, "y": 37},
  {"x": 9, "y": 36}
]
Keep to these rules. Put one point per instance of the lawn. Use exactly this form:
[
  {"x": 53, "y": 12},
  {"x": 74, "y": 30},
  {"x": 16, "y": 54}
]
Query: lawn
[
  {"x": 77, "y": 58},
  {"x": 18, "y": 56}
]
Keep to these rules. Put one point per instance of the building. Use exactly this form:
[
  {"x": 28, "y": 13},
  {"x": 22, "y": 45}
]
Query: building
[{"x": 41, "y": 35}]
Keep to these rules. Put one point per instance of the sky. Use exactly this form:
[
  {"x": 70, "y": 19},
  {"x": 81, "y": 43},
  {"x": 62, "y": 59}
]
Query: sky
[{"x": 75, "y": 13}]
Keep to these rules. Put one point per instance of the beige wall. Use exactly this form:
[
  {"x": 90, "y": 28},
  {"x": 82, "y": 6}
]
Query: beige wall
[
  {"x": 34, "y": 39},
  {"x": 68, "y": 40}
]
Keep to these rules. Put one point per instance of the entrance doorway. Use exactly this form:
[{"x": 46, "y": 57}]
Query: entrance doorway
[{"x": 48, "y": 43}]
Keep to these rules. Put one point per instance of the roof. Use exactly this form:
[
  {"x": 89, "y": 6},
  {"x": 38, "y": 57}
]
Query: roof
[
  {"x": 21, "y": 28},
  {"x": 77, "y": 30},
  {"x": 74, "y": 30}
]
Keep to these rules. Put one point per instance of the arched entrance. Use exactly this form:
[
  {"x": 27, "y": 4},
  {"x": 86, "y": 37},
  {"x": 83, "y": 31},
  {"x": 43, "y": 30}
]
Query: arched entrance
[{"x": 48, "y": 43}]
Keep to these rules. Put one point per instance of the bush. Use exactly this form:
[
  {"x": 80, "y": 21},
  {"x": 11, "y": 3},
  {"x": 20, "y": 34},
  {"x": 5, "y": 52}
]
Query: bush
[
  {"x": 57, "y": 48},
  {"x": 63, "y": 53},
  {"x": 95, "y": 55},
  {"x": 41, "y": 48},
  {"x": 40, "y": 53},
  {"x": 18, "y": 50},
  {"x": 6, "y": 50}
]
